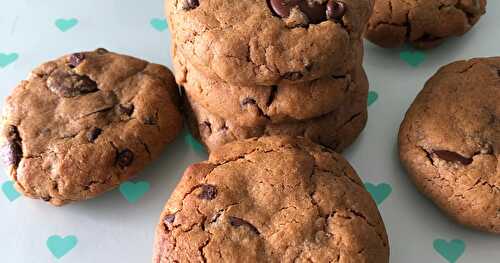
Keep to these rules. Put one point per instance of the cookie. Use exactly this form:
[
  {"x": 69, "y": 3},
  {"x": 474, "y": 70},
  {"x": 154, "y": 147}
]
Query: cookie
[
  {"x": 259, "y": 105},
  {"x": 82, "y": 124},
  {"x": 251, "y": 42},
  {"x": 273, "y": 199},
  {"x": 449, "y": 142},
  {"x": 422, "y": 23},
  {"x": 336, "y": 129}
]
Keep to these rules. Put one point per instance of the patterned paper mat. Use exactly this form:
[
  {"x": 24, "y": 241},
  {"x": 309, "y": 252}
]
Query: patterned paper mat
[{"x": 119, "y": 226}]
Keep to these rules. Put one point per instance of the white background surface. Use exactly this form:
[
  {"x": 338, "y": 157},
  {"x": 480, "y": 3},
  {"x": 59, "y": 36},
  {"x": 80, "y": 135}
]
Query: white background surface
[{"x": 109, "y": 229}]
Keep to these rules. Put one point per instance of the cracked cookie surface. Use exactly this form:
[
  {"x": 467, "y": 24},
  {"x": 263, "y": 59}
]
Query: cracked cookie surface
[
  {"x": 336, "y": 129},
  {"x": 260, "y": 105},
  {"x": 82, "y": 124},
  {"x": 272, "y": 199},
  {"x": 449, "y": 142},
  {"x": 247, "y": 43},
  {"x": 422, "y": 23}
]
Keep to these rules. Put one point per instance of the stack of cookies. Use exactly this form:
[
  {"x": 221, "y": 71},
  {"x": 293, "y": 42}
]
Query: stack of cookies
[{"x": 278, "y": 67}]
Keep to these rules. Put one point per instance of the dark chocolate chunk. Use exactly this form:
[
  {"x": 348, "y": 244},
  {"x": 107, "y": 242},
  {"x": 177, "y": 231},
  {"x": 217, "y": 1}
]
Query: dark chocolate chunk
[
  {"x": 76, "y": 59},
  {"x": 168, "y": 221},
  {"x": 315, "y": 12},
  {"x": 208, "y": 192},
  {"x": 125, "y": 158},
  {"x": 452, "y": 157},
  {"x": 93, "y": 134},
  {"x": 335, "y": 10},
  {"x": 190, "y": 4},
  {"x": 68, "y": 85},
  {"x": 101, "y": 51},
  {"x": 237, "y": 222},
  {"x": 126, "y": 109},
  {"x": 12, "y": 151}
]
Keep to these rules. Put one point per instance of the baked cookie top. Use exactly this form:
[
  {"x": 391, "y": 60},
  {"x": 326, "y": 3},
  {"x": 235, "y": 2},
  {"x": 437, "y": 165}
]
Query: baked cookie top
[
  {"x": 423, "y": 23},
  {"x": 81, "y": 124},
  {"x": 260, "y": 105},
  {"x": 259, "y": 42},
  {"x": 272, "y": 199},
  {"x": 450, "y": 141}
]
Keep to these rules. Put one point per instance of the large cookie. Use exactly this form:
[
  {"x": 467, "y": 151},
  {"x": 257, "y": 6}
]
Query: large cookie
[
  {"x": 260, "y": 105},
  {"x": 423, "y": 23},
  {"x": 259, "y": 42},
  {"x": 450, "y": 142},
  {"x": 82, "y": 124},
  {"x": 336, "y": 129},
  {"x": 273, "y": 199}
]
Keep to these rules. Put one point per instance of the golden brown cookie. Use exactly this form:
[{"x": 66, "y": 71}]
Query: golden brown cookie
[
  {"x": 273, "y": 199},
  {"x": 260, "y": 42},
  {"x": 449, "y": 142},
  {"x": 261, "y": 105},
  {"x": 336, "y": 129},
  {"x": 82, "y": 124},
  {"x": 422, "y": 23}
]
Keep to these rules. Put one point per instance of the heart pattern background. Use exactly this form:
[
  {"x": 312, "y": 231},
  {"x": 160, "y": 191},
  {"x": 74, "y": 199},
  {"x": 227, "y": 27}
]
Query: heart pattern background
[
  {"x": 66, "y": 24},
  {"x": 122, "y": 222}
]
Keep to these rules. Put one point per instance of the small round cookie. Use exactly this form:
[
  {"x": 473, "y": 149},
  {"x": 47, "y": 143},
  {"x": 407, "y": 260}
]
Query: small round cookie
[
  {"x": 449, "y": 142},
  {"x": 272, "y": 199},
  {"x": 260, "y": 105},
  {"x": 82, "y": 124},
  {"x": 261, "y": 42},
  {"x": 336, "y": 129},
  {"x": 422, "y": 23}
]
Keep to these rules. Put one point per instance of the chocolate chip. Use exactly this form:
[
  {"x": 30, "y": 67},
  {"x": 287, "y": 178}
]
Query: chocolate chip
[
  {"x": 452, "y": 157},
  {"x": 293, "y": 76},
  {"x": 237, "y": 222},
  {"x": 101, "y": 51},
  {"x": 126, "y": 109},
  {"x": 11, "y": 154},
  {"x": 315, "y": 12},
  {"x": 335, "y": 10},
  {"x": 190, "y": 4},
  {"x": 46, "y": 198},
  {"x": 168, "y": 221},
  {"x": 75, "y": 59},
  {"x": 247, "y": 101},
  {"x": 93, "y": 134},
  {"x": 68, "y": 85},
  {"x": 125, "y": 158},
  {"x": 208, "y": 192},
  {"x": 12, "y": 151}
]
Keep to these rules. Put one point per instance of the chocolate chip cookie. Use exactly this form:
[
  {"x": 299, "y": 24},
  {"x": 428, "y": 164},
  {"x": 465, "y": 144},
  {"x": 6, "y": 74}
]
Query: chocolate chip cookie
[
  {"x": 422, "y": 23},
  {"x": 261, "y": 42},
  {"x": 336, "y": 129},
  {"x": 273, "y": 199},
  {"x": 450, "y": 142},
  {"x": 82, "y": 124},
  {"x": 259, "y": 105}
]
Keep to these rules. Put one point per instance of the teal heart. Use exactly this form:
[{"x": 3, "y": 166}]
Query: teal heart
[
  {"x": 10, "y": 191},
  {"x": 133, "y": 192},
  {"x": 159, "y": 24},
  {"x": 372, "y": 97},
  {"x": 379, "y": 192},
  {"x": 7, "y": 59},
  {"x": 413, "y": 57},
  {"x": 195, "y": 144},
  {"x": 66, "y": 24},
  {"x": 450, "y": 250},
  {"x": 59, "y": 246}
]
